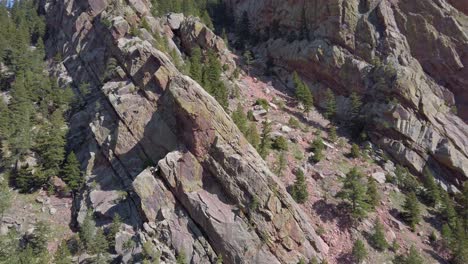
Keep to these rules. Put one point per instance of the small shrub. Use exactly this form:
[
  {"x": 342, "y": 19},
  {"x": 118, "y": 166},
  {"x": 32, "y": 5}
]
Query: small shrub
[
  {"x": 378, "y": 237},
  {"x": 263, "y": 103},
  {"x": 332, "y": 135},
  {"x": 294, "y": 123},
  {"x": 320, "y": 230},
  {"x": 355, "y": 151},
  {"x": 359, "y": 251},
  {"x": 280, "y": 143}
]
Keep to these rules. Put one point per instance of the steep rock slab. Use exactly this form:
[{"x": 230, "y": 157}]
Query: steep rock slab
[{"x": 139, "y": 109}]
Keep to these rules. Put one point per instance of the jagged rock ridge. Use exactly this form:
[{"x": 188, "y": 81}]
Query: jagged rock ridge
[{"x": 210, "y": 193}]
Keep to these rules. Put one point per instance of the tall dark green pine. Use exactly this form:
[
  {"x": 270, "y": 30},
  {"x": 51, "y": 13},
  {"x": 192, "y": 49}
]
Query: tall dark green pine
[
  {"x": 62, "y": 255},
  {"x": 412, "y": 210},
  {"x": 432, "y": 194},
  {"x": 51, "y": 142},
  {"x": 330, "y": 108},
  {"x": 299, "y": 189},
  {"x": 87, "y": 231},
  {"x": 373, "y": 195},
  {"x": 265, "y": 141},
  {"x": 252, "y": 135},
  {"x": 21, "y": 119},
  {"x": 359, "y": 251},
  {"x": 447, "y": 209},
  {"x": 354, "y": 192},
  {"x": 240, "y": 119},
  {"x": 72, "y": 173},
  {"x": 378, "y": 237},
  {"x": 196, "y": 69},
  {"x": 464, "y": 213},
  {"x": 303, "y": 93}
]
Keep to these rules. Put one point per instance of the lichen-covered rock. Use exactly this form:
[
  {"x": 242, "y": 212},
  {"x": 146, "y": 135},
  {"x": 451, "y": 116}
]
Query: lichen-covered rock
[{"x": 213, "y": 192}]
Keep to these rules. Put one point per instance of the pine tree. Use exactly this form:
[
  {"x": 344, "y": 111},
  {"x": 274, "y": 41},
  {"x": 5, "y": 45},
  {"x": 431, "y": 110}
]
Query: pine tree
[
  {"x": 332, "y": 136},
  {"x": 355, "y": 151},
  {"x": 24, "y": 179},
  {"x": 21, "y": 117},
  {"x": 281, "y": 164},
  {"x": 373, "y": 195},
  {"x": 303, "y": 93},
  {"x": 5, "y": 199},
  {"x": 432, "y": 194},
  {"x": 265, "y": 141},
  {"x": 196, "y": 69},
  {"x": 240, "y": 119},
  {"x": 378, "y": 237},
  {"x": 459, "y": 244},
  {"x": 252, "y": 136},
  {"x": 354, "y": 193},
  {"x": 330, "y": 108},
  {"x": 447, "y": 210},
  {"x": 299, "y": 189},
  {"x": 62, "y": 255},
  {"x": 4, "y": 122},
  {"x": 464, "y": 203},
  {"x": 100, "y": 246},
  {"x": 72, "y": 173},
  {"x": 317, "y": 147},
  {"x": 359, "y": 251},
  {"x": 38, "y": 240},
  {"x": 87, "y": 231},
  {"x": 413, "y": 257},
  {"x": 412, "y": 210},
  {"x": 51, "y": 141},
  {"x": 248, "y": 60},
  {"x": 211, "y": 80},
  {"x": 207, "y": 20},
  {"x": 114, "y": 228}
]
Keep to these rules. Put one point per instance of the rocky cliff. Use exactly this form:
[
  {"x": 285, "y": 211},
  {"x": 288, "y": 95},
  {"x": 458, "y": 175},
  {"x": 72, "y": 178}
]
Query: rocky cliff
[
  {"x": 160, "y": 151},
  {"x": 408, "y": 59}
]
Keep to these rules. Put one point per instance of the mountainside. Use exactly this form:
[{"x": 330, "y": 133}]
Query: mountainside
[
  {"x": 234, "y": 131},
  {"x": 147, "y": 112},
  {"x": 418, "y": 49}
]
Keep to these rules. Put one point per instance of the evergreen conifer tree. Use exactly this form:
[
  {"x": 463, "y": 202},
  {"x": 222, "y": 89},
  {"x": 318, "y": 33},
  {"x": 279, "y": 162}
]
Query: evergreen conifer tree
[
  {"x": 62, "y": 255},
  {"x": 72, "y": 173},
  {"x": 330, "y": 108},
  {"x": 359, "y": 251},
  {"x": 412, "y": 210},
  {"x": 252, "y": 136},
  {"x": 354, "y": 193},
  {"x": 373, "y": 195},
  {"x": 299, "y": 189},
  {"x": 378, "y": 237},
  {"x": 265, "y": 141},
  {"x": 196, "y": 69}
]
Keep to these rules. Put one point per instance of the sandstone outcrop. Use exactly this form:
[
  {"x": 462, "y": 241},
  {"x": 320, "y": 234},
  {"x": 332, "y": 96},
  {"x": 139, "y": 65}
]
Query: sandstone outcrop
[
  {"x": 408, "y": 59},
  {"x": 160, "y": 151}
]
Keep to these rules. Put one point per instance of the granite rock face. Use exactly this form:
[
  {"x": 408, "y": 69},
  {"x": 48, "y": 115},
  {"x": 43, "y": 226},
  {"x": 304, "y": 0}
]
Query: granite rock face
[
  {"x": 407, "y": 59},
  {"x": 160, "y": 151}
]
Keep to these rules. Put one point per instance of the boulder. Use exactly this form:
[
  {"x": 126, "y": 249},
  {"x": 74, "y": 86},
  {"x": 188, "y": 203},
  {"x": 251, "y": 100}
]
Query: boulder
[
  {"x": 174, "y": 20},
  {"x": 379, "y": 177}
]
